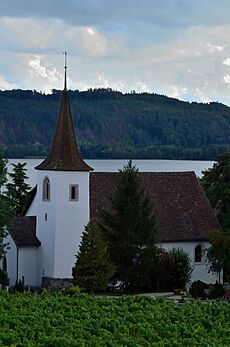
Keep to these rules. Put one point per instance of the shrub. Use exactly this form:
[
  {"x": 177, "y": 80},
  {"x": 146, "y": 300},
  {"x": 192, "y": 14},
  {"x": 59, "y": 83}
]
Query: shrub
[
  {"x": 217, "y": 291},
  {"x": 178, "y": 291},
  {"x": 19, "y": 287},
  {"x": 197, "y": 289},
  {"x": 72, "y": 290},
  {"x": 180, "y": 270},
  {"x": 4, "y": 280}
]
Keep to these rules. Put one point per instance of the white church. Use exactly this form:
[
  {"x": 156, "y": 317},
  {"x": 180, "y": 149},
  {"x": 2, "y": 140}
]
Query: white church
[{"x": 44, "y": 241}]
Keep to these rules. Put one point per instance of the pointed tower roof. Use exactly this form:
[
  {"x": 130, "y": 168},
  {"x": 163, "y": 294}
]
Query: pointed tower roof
[{"x": 64, "y": 155}]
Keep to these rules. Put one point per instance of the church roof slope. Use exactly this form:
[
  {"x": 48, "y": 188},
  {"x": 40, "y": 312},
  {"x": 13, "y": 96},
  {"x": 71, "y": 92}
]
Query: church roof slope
[
  {"x": 23, "y": 231},
  {"x": 182, "y": 210},
  {"x": 64, "y": 155},
  {"x": 31, "y": 196}
]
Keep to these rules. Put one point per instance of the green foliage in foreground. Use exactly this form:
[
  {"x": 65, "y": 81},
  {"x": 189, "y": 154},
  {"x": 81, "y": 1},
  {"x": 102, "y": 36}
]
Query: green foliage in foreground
[
  {"x": 79, "y": 320},
  {"x": 93, "y": 269}
]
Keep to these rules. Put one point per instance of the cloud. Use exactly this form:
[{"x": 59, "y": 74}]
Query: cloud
[
  {"x": 177, "y": 13},
  {"x": 112, "y": 46},
  {"x": 29, "y": 35},
  {"x": 45, "y": 72},
  {"x": 191, "y": 66},
  {"x": 226, "y": 79},
  {"x": 226, "y": 62},
  {"x": 5, "y": 85},
  {"x": 214, "y": 48},
  {"x": 178, "y": 92}
]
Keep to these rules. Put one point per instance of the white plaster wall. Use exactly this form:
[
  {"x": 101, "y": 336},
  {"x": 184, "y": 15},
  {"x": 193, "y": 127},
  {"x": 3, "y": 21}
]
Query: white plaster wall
[
  {"x": 71, "y": 218},
  {"x": 200, "y": 271},
  {"x": 46, "y": 228},
  {"x": 60, "y": 235},
  {"x": 27, "y": 265},
  {"x": 11, "y": 259}
]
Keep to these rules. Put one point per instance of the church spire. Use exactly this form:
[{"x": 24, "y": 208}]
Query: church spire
[
  {"x": 65, "y": 67},
  {"x": 64, "y": 155}
]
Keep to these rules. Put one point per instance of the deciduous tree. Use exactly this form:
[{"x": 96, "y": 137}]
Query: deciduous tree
[
  {"x": 218, "y": 254},
  {"x": 216, "y": 183}
]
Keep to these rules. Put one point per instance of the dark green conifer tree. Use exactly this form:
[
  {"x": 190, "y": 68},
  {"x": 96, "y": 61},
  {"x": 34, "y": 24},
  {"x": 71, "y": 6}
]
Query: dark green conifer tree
[
  {"x": 130, "y": 229},
  {"x": 93, "y": 269},
  {"x": 18, "y": 190},
  {"x": 5, "y": 211}
]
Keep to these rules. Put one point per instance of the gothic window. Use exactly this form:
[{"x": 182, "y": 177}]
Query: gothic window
[
  {"x": 198, "y": 254},
  {"x": 74, "y": 192},
  {"x": 46, "y": 189}
]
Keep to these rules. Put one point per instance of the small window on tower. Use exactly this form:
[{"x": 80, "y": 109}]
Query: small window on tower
[
  {"x": 74, "y": 192},
  {"x": 46, "y": 189}
]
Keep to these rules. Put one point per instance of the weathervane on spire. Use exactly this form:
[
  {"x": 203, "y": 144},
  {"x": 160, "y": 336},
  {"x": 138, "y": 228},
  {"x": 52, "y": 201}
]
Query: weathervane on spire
[{"x": 65, "y": 67}]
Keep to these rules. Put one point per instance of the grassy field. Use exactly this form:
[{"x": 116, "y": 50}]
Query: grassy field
[{"x": 80, "y": 320}]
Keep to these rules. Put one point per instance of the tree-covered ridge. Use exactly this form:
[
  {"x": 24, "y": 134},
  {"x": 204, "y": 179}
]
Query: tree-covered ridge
[{"x": 114, "y": 125}]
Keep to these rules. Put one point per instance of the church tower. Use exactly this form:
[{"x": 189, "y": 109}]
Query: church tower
[{"x": 62, "y": 198}]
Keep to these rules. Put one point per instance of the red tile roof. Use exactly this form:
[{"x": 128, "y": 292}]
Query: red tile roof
[{"x": 182, "y": 209}]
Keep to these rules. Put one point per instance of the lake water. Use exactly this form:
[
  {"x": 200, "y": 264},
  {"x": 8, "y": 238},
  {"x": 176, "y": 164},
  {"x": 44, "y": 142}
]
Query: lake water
[{"x": 116, "y": 164}]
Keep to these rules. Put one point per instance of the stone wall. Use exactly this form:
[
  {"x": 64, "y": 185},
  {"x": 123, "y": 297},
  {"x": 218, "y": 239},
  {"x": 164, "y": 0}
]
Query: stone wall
[{"x": 56, "y": 283}]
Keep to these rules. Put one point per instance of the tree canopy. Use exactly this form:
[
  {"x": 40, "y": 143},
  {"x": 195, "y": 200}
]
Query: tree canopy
[
  {"x": 147, "y": 125},
  {"x": 13, "y": 196},
  {"x": 5, "y": 211},
  {"x": 93, "y": 269},
  {"x": 18, "y": 190},
  {"x": 180, "y": 269},
  {"x": 130, "y": 229},
  {"x": 218, "y": 254},
  {"x": 216, "y": 183}
]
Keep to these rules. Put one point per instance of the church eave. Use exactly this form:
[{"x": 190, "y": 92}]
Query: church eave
[{"x": 61, "y": 167}]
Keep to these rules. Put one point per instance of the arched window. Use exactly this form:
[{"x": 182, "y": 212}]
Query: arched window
[
  {"x": 198, "y": 254},
  {"x": 46, "y": 189}
]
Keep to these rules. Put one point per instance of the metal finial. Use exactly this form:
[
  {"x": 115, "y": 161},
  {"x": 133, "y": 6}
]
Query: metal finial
[{"x": 65, "y": 67}]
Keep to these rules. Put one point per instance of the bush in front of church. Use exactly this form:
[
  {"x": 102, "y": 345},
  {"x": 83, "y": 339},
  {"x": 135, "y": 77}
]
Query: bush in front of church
[
  {"x": 93, "y": 269},
  {"x": 4, "y": 280}
]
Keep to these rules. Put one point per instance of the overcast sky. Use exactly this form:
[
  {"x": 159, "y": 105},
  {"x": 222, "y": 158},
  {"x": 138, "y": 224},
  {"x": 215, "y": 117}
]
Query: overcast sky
[{"x": 179, "y": 48}]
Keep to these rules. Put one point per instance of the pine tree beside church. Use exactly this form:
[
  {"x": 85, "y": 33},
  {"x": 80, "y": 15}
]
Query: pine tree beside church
[
  {"x": 5, "y": 211},
  {"x": 130, "y": 228},
  {"x": 93, "y": 269},
  {"x": 18, "y": 190}
]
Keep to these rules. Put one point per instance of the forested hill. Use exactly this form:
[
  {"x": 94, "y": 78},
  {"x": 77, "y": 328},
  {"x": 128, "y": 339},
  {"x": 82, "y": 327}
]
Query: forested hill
[{"x": 110, "y": 124}]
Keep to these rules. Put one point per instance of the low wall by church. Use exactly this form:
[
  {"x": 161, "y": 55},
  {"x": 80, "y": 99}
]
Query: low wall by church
[{"x": 51, "y": 283}]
